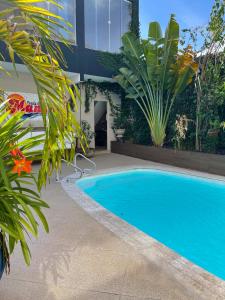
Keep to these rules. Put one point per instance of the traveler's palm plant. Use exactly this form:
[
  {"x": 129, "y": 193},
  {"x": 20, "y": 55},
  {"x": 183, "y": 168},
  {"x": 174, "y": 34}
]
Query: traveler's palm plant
[
  {"x": 28, "y": 31},
  {"x": 155, "y": 73}
]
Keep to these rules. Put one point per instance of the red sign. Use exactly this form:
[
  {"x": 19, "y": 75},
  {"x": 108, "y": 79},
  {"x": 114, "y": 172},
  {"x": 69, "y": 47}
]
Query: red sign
[{"x": 18, "y": 103}]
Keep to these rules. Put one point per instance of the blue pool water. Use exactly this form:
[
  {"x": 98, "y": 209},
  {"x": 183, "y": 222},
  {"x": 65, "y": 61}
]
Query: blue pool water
[{"x": 185, "y": 213}]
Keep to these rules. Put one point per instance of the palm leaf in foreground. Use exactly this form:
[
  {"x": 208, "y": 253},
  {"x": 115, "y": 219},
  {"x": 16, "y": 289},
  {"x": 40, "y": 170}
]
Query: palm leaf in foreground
[
  {"x": 28, "y": 32},
  {"x": 20, "y": 205},
  {"x": 53, "y": 85}
]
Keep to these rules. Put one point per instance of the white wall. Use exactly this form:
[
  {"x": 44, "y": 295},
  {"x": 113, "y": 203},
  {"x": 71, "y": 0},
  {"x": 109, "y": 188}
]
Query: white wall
[
  {"x": 89, "y": 116},
  {"x": 25, "y": 84}
]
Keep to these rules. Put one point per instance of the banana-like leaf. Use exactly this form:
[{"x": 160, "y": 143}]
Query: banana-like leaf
[
  {"x": 155, "y": 73},
  {"x": 155, "y": 31}
]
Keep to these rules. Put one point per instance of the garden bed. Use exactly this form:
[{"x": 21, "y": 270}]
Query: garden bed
[{"x": 211, "y": 163}]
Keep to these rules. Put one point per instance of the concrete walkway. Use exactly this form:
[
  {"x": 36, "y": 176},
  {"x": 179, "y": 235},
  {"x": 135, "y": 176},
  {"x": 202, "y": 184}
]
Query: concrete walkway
[{"x": 81, "y": 259}]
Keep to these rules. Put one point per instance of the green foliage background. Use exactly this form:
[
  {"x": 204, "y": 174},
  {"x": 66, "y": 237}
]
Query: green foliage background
[{"x": 213, "y": 107}]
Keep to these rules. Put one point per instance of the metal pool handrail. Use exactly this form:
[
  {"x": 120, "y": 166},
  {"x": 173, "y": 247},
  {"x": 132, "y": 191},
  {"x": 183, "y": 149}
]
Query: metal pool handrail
[
  {"x": 77, "y": 169},
  {"x": 85, "y": 171}
]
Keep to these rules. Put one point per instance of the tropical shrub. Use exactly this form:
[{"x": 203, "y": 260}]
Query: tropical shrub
[
  {"x": 20, "y": 205},
  {"x": 88, "y": 132},
  {"x": 119, "y": 117},
  {"x": 156, "y": 73},
  {"x": 181, "y": 128},
  {"x": 28, "y": 32},
  {"x": 208, "y": 92}
]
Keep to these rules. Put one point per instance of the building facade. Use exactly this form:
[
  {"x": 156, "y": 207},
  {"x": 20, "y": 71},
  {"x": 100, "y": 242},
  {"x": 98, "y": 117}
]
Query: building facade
[{"x": 98, "y": 26}]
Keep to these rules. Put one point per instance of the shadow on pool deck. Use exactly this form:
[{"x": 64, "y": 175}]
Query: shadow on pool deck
[{"x": 81, "y": 259}]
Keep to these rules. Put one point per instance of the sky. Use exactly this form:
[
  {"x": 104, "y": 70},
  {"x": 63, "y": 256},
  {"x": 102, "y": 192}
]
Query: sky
[{"x": 189, "y": 13}]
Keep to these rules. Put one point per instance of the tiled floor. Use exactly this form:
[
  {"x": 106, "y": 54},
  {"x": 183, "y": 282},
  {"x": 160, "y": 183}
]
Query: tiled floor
[{"x": 81, "y": 259}]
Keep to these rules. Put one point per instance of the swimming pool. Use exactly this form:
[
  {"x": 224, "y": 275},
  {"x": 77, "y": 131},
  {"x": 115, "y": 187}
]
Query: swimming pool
[{"x": 185, "y": 213}]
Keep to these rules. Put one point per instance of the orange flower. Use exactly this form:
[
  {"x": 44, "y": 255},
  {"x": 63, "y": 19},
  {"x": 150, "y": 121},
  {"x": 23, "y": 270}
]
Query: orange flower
[
  {"x": 187, "y": 59},
  {"x": 22, "y": 165},
  {"x": 13, "y": 152},
  {"x": 17, "y": 152}
]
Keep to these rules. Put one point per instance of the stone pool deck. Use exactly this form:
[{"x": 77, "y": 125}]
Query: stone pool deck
[{"x": 81, "y": 259}]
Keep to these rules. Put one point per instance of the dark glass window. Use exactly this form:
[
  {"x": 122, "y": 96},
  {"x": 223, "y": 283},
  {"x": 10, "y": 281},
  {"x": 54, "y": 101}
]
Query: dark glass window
[
  {"x": 91, "y": 24},
  {"x": 126, "y": 15},
  {"x": 115, "y": 25},
  {"x": 68, "y": 12},
  {"x": 102, "y": 19},
  {"x": 105, "y": 23},
  {"x": 69, "y": 15}
]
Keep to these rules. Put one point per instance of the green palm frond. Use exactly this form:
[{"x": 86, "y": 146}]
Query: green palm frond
[
  {"x": 30, "y": 33},
  {"x": 20, "y": 206},
  {"x": 53, "y": 86}
]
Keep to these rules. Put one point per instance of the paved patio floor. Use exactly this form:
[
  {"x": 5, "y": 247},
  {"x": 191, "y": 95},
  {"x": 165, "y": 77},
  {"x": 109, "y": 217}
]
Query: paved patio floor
[{"x": 81, "y": 259}]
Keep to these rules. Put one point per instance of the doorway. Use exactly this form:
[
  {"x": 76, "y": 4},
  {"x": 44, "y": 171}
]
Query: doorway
[{"x": 101, "y": 126}]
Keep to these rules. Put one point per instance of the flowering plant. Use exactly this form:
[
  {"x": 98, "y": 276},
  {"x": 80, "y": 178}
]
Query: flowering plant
[
  {"x": 181, "y": 128},
  {"x": 20, "y": 206},
  {"x": 29, "y": 32},
  {"x": 21, "y": 163},
  {"x": 88, "y": 132}
]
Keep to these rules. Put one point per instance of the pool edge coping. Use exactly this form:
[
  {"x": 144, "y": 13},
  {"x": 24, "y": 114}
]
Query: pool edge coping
[{"x": 194, "y": 278}]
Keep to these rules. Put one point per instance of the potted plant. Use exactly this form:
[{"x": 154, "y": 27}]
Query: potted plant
[
  {"x": 89, "y": 135},
  {"x": 119, "y": 122}
]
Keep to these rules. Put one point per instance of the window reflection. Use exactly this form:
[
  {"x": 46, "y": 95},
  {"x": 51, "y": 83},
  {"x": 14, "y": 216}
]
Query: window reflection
[
  {"x": 90, "y": 24},
  {"x": 68, "y": 12},
  {"x": 105, "y": 23},
  {"x": 115, "y": 25},
  {"x": 69, "y": 15},
  {"x": 102, "y": 19},
  {"x": 126, "y": 15}
]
